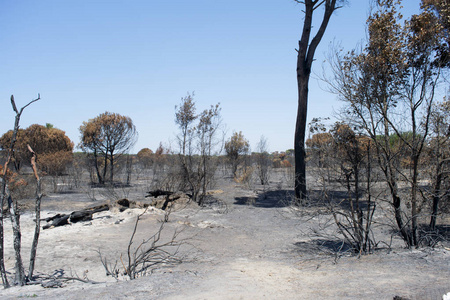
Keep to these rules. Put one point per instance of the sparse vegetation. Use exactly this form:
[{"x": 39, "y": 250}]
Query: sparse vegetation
[
  {"x": 378, "y": 185},
  {"x": 262, "y": 160},
  {"x": 389, "y": 92},
  {"x": 198, "y": 143},
  {"x": 149, "y": 254}
]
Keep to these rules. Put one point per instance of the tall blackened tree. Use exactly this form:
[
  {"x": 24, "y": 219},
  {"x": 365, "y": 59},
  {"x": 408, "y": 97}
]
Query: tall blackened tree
[
  {"x": 306, "y": 50},
  {"x": 106, "y": 137}
]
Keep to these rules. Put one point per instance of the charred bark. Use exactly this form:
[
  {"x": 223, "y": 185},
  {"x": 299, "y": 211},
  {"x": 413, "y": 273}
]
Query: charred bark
[
  {"x": 77, "y": 216},
  {"x": 38, "y": 216},
  {"x": 305, "y": 58},
  {"x": 12, "y": 206}
]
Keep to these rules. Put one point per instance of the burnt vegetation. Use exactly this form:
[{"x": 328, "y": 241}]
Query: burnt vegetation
[{"x": 384, "y": 166}]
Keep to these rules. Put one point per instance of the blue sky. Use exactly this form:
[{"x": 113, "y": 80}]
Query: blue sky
[{"x": 139, "y": 58}]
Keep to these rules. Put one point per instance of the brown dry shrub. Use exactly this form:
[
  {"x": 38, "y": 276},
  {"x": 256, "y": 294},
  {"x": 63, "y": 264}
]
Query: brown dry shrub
[
  {"x": 245, "y": 175},
  {"x": 18, "y": 184}
]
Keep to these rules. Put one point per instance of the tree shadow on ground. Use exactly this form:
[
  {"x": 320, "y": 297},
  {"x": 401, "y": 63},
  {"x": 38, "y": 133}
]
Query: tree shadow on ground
[
  {"x": 285, "y": 198},
  {"x": 324, "y": 246},
  {"x": 216, "y": 204},
  {"x": 268, "y": 199},
  {"x": 109, "y": 185},
  {"x": 333, "y": 198}
]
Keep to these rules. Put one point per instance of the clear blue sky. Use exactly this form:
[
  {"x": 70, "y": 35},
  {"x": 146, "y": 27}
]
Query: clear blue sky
[{"x": 140, "y": 57}]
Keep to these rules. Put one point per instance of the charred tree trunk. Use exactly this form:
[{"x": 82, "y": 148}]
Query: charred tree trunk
[
  {"x": 129, "y": 168},
  {"x": 436, "y": 199},
  {"x": 305, "y": 58},
  {"x": 15, "y": 221},
  {"x": 111, "y": 176},
  {"x": 15, "y": 218},
  {"x": 38, "y": 216},
  {"x": 414, "y": 206},
  {"x": 299, "y": 141},
  {"x": 2, "y": 261},
  {"x": 99, "y": 176},
  {"x": 105, "y": 167}
]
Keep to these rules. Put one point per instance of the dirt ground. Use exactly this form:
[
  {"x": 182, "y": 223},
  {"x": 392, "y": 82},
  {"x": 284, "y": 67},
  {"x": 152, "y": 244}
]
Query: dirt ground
[{"x": 246, "y": 244}]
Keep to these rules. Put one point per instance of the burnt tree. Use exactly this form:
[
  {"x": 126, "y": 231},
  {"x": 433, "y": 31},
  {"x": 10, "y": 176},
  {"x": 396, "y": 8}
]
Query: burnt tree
[{"x": 306, "y": 50}]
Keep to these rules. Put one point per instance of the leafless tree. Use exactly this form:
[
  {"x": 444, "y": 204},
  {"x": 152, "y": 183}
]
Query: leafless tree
[
  {"x": 37, "y": 215},
  {"x": 199, "y": 142},
  {"x": 210, "y": 144},
  {"x": 305, "y": 57},
  {"x": 20, "y": 277},
  {"x": 263, "y": 162}
]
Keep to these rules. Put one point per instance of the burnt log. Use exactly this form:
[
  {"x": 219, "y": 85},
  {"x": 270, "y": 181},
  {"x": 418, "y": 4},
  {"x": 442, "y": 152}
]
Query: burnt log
[
  {"x": 157, "y": 193},
  {"x": 82, "y": 215},
  {"x": 59, "y": 221},
  {"x": 57, "y": 216},
  {"x": 124, "y": 202}
]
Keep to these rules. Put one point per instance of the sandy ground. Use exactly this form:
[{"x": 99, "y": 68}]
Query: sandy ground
[{"x": 248, "y": 247}]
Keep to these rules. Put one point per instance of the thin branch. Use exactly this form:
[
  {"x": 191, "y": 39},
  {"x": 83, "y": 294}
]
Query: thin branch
[{"x": 37, "y": 212}]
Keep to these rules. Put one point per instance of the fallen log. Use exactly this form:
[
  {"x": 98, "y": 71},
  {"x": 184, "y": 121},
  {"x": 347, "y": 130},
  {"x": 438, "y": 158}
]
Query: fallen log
[
  {"x": 157, "y": 193},
  {"x": 82, "y": 215},
  {"x": 59, "y": 221}
]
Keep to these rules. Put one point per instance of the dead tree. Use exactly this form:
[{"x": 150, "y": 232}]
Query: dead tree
[
  {"x": 306, "y": 50},
  {"x": 20, "y": 278},
  {"x": 37, "y": 215}
]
